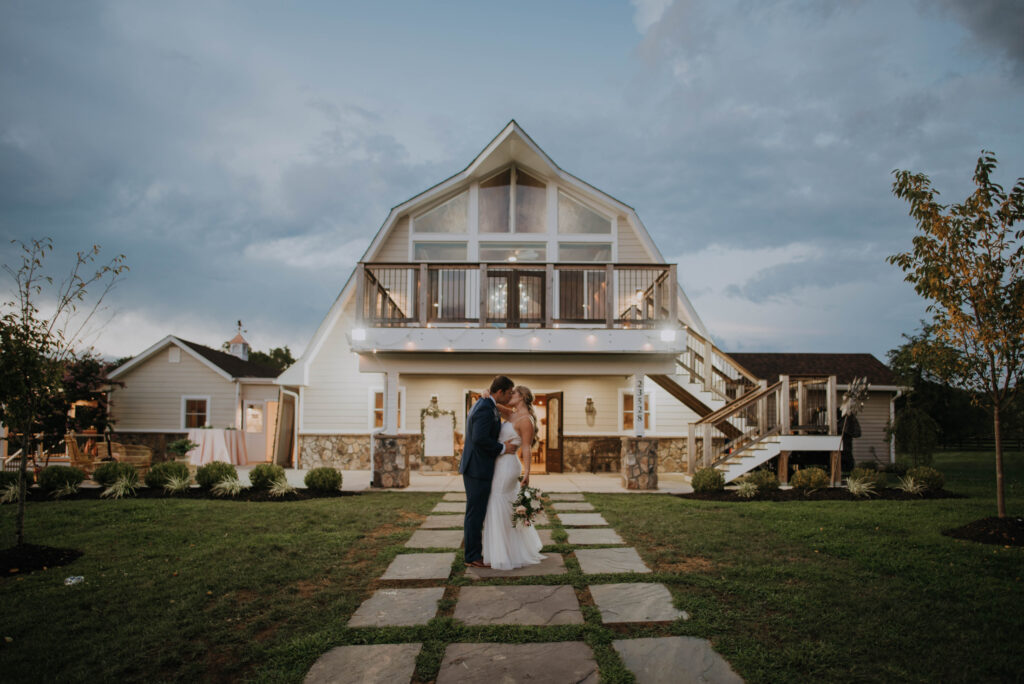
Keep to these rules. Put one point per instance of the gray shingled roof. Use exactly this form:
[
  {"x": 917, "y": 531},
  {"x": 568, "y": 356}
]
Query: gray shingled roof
[
  {"x": 844, "y": 366},
  {"x": 232, "y": 365}
]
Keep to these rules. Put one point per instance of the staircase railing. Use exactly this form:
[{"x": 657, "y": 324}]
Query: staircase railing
[{"x": 716, "y": 371}]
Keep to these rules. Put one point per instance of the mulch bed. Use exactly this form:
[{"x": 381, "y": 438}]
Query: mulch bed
[
  {"x": 92, "y": 493},
  {"x": 17, "y": 560},
  {"x": 1002, "y": 531},
  {"x": 828, "y": 494}
]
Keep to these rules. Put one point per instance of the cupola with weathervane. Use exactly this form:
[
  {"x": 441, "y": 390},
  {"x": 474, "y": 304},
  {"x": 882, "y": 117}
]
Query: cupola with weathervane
[{"x": 238, "y": 346}]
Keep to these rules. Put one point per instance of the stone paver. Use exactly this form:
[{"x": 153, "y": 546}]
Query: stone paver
[
  {"x": 545, "y": 537},
  {"x": 435, "y": 539},
  {"x": 519, "y": 605},
  {"x": 541, "y": 520},
  {"x": 398, "y": 607},
  {"x": 566, "y": 661},
  {"x": 553, "y": 564},
  {"x": 450, "y": 507},
  {"x": 599, "y": 535},
  {"x": 379, "y": 663},
  {"x": 635, "y": 603},
  {"x": 597, "y": 561},
  {"x": 420, "y": 566},
  {"x": 564, "y": 496},
  {"x": 572, "y": 506},
  {"x": 443, "y": 522},
  {"x": 582, "y": 519},
  {"x": 676, "y": 660},
  {"x": 454, "y": 496}
]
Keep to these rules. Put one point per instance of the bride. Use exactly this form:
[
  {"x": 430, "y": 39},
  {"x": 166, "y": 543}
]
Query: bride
[{"x": 507, "y": 547}]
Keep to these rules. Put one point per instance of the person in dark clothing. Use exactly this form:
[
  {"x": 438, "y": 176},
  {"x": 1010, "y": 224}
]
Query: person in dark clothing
[{"x": 849, "y": 428}]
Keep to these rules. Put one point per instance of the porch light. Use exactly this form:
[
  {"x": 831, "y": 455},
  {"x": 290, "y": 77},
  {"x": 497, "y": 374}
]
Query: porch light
[
  {"x": 590, "y": 409},
  {"x": 359, "y": 334},
  {"x": 512, "y": 259}
]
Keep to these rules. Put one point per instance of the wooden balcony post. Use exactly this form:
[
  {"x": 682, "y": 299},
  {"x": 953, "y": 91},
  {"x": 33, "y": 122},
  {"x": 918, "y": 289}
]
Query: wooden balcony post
[
  {"x": 360, "y": 293},
  {"x": 673, "y": 299},
  {"x": 708, "y": 446},
  {"x": 483, "y": 295},
  {"x": 709, "y": 367},
  {"x": 691, "y": 449},
  {"x": 423, "y": 287},
  {"x": 784, "y": 405},
  {"x": 830, "y": 406},
  {"x": 783, "y": 467},
  {"x": 801, "y": 402},
  {"x": 609, "y": 296},
  {"x": 658, "y": 281},
  {"x": 549, "y": 294},
  {"x": 762, "y": 409}
]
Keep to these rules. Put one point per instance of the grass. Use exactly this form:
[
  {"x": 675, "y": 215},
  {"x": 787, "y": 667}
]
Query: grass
[{"x": 802, "y": 591}]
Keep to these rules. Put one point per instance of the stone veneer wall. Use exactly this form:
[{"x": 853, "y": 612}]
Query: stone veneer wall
[
  {"x": 157, "y": 441},
  {"x": 576, "y": 453},
  {"x": 344, "y": 452}
]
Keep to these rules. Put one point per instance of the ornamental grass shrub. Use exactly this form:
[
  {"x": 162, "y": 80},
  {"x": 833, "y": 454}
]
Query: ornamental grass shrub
[
  {"x": 264, "y": 475},
  {"x": 209, "y": 475},
  {"x": 707, "y": 480},
  {"x": 55, "y": 477},
  {"x": 929, "y": 478},
  {"x": 161, "y": 473},
  {"x": 8, "y": 478},
  {"x": 112, "y": 471},
  {"x": 765, "y": 481},
  {"x": 324, "y": 479},
  {"x": 878, "y": 480},
  {"x": 809, "y": 479}
]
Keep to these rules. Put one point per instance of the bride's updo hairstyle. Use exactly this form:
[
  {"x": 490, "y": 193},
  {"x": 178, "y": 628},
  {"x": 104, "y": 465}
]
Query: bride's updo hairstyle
[{"x": 527, "y": 396}]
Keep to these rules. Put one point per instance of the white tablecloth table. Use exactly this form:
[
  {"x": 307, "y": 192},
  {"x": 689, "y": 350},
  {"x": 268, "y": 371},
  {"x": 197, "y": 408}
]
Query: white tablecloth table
[{"x": 217, "y": 445}]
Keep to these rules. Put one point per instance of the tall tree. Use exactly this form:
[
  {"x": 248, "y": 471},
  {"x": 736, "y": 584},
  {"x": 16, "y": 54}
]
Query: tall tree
[
  {"x": 968, "y": 262},
  {"x": 35, "y": 346}
]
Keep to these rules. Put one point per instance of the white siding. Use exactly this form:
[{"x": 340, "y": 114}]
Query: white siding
[
  {"x": 151, "y": 397},
  {"x": 631, "y": 250},
  {"x": 671, "y": 417},
  {"x": 396, "y": 246},
  {"x": 873, "y": 418}
]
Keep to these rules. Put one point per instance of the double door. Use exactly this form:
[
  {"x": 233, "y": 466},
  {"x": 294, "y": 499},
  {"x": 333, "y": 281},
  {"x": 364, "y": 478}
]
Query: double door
[{"x": 547, "y": 453}]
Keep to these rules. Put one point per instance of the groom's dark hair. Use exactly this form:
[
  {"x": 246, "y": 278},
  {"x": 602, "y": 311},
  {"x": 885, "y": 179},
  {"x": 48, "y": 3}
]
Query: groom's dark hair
[{"x": 501, "y": 383}]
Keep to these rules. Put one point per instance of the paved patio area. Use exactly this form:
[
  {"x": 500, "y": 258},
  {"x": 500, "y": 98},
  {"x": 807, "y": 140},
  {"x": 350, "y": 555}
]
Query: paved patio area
[{"x": 359, "y": 480}]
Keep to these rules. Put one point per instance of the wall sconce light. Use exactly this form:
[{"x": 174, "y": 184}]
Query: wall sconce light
[{"x": 590, "y": 409}]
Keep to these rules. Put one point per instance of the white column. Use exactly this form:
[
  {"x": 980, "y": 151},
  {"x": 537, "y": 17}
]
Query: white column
[
  {"x": 639, "y": 399},
  {"x": 391, "y": 403}
]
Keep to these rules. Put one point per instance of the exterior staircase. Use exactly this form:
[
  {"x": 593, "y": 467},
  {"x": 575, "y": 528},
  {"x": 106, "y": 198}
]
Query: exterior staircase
[{"x": 744, "y": 422}]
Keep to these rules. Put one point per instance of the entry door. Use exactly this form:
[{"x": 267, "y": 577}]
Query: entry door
[
  {"x": 255, "y": 416},
  {"x": 553, "y": 454}
]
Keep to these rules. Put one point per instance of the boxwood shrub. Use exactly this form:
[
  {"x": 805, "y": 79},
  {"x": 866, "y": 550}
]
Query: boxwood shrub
[
  {"x": 707, "y": 480},
  {"x": 931, "y": 478},
  {"x": 323, "y": 479},
  {"x": 264, "y": 475},
  {"x": 212, "y": 473},
  {"x": 112, "y": 471},
  {"x": 52, "y": 478},
  {"x": 809, "y": 479},
  {"x": 160, "y": 473},
  {"x": 765, "y": 481}
]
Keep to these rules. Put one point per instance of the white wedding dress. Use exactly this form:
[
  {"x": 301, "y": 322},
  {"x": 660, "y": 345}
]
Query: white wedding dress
[{"x": 507, "y": 547}]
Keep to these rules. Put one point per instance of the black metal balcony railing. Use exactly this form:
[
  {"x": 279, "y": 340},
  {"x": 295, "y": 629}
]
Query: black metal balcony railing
[{"x": 516, "y": 295}]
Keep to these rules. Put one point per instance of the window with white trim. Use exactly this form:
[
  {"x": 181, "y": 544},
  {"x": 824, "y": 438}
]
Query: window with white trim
[
  {"x": 377, "y": 406},
  {"x": 577, "y": 218},
  {"x": 451, "y": 216},
  {"x": 513, "y": 201},
  {"x": 629, "y": 411},
  {"x": 195, "y": 412}
]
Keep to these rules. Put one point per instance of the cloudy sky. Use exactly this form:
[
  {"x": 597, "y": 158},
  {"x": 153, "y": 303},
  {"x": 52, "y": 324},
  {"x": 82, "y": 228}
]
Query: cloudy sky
[{"x": 242, "y": 154}]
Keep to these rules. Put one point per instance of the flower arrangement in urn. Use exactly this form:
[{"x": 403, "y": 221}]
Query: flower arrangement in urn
[{"x": 526, "y": 506}]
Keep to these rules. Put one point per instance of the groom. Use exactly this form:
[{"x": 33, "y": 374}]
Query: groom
[{"x": 477, "y": 465}]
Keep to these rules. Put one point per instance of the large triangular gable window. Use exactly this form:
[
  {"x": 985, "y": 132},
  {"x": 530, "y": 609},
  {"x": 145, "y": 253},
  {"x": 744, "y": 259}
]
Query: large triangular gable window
[
  {"x": 579, "y": 219},
  {"x": 513, "y": 201},
  {"x": 451, "y": 216}
]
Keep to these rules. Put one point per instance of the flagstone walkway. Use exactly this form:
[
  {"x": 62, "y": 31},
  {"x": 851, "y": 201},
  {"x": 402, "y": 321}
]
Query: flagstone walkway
[{"x": 430, "y": 573}]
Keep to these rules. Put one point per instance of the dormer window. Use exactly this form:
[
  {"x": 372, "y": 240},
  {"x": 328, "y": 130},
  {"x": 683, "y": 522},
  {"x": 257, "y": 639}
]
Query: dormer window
[{"x": 513, "y": 201}]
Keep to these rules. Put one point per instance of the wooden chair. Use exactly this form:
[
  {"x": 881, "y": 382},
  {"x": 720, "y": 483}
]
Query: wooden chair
[
  {"x": 139, "y": 456},
  {"x": 606, "y": 454},
  {"x": 77, "y": 458}
]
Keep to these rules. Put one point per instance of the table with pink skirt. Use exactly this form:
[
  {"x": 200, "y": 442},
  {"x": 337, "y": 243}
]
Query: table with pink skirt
[{"x": 217, "y": 445}]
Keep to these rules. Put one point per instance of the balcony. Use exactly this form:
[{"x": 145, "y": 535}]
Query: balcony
[{"x": 515, "y": 295}]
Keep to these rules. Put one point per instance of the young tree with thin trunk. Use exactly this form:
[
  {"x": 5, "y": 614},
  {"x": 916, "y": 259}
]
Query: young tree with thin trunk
[
  {"x": 968, "y": 262},
  {"x": 34, "y": 346}
]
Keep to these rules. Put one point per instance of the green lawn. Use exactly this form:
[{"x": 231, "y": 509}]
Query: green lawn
[{"x": 811, "y": 591}]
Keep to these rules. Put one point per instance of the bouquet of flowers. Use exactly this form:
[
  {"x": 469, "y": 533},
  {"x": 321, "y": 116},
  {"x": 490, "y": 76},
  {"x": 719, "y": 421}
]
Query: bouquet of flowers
[{"x": 526, "y": 506}]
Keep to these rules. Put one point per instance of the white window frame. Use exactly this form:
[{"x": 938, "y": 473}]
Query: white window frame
[
  {"x": 209, "y": 408},
  {"x": 425, "y": 237},
  {"x": 610, "y": 236},
  {"x": 371, "y": 403},
  {"x": 651, "y": 405}
]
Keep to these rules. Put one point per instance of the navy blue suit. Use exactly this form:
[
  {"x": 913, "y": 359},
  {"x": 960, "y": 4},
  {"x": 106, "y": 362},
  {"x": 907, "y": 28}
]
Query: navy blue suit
[{"x": 477, "y": 467}]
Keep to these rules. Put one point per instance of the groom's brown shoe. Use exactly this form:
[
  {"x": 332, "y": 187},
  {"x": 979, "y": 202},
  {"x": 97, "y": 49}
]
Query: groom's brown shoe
[{"x": 477, "y": 564}]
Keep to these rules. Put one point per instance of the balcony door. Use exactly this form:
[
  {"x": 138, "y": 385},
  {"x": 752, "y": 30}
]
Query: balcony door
[{"x": 515, "y": 297}]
